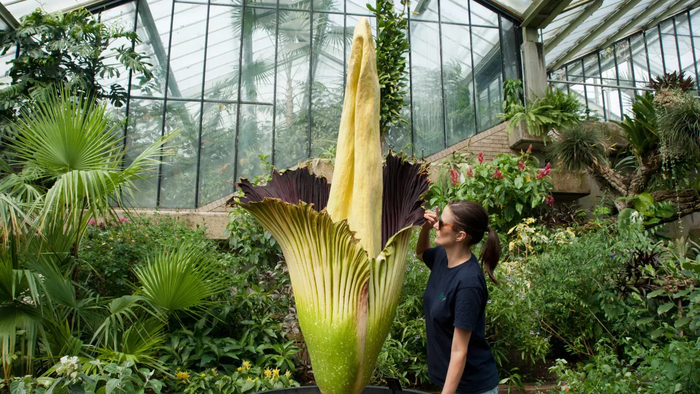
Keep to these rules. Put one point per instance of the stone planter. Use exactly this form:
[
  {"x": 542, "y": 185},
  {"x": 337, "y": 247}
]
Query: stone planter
[
  {"x": 520, "y": 139},
  {"x": 575, "y": 183}
]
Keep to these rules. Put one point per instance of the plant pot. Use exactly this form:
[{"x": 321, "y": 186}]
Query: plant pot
[
  {"x": 520, "y": 139},
  {"x": 367, "y": 390},
  {"x": 574, "y": 183}
]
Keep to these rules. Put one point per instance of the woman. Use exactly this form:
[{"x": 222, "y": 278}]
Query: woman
[{"x": 459, "y": 359}]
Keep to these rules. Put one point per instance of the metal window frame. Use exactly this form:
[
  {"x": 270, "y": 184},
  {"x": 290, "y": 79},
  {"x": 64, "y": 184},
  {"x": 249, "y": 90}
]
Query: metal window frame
[{"x": 202, "y": 101}]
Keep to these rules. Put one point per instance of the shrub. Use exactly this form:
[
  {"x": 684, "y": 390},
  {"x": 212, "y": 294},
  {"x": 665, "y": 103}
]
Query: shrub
[
  {"x": 509, "y": 187},
  {"x": 112, "y": 250}
]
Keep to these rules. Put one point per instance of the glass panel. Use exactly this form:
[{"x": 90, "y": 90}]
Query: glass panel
[
  {"x": 511, "y": 58},
  {"x": 145, "y": 125},
  {"x": 427, "y": 95},
  {"x": 291, "y": 126},
  {"x": 216, "y": 168},
  {"x": 328, "y": 71},
  {"x": 122, "y": 17},
  {"x": 187, "y": 51},
  {"x": 575, "y": 74},
  {"x": 399, "y": 137},
  {"x": 223, "y": 52},
  {"x": 154, "y": 31},
  {"x": 226, "y": 2},
  {"x": 254, "y": 140},
  {"x": 257, "y": 76},
  {"x": 607, "y": 66},
  {"x": 624, "y": 64},
  {"x": 459, "y": 85},
  {"x": 336, "y": 6},
  {"x": 627, "y": 100},
  {"x": 179, "y": 171},
  {"x": 654, "y": 52},
  {"x": 559, "y": 75},
  {"x": 685, "y": 44},
  {"x": 359, "y": 7},
  {"x": 487, "y": 68},
  {"x": 612, "y": 103},
  {"x": 454, "y": 11},
  {"x": 482, "y": 15},
  {"x": 425, "y": 10},
  {"x": 295, "y": 4},
  {"x": 670, "y": 50},
  {"x": 261, "y": 3},
  {"x": 593, "y": 93},
  {"x": 695, "y": 26},
  {"x": 639, "y": 59}
]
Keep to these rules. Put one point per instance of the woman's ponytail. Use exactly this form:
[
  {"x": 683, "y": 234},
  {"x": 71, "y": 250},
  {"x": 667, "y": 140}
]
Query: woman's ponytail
[{"x": 491, "y": 254}]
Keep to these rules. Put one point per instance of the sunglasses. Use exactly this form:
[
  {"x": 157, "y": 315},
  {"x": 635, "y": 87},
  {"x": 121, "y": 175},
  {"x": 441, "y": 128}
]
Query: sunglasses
[{"x": 441, "y": 223}]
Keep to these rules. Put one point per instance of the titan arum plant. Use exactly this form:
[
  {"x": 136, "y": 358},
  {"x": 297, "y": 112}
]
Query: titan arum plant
[{"x": 346, "y": 245}]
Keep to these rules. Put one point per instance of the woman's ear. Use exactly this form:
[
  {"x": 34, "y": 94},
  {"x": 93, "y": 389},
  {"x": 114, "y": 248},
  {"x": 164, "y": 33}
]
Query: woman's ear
[{"x": 461, "y": 236}]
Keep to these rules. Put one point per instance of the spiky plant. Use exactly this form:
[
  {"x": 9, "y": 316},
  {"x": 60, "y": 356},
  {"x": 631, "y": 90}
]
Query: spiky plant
[
  {"x": 640, "y": 129},
  {"x": 679, "y": 128},
  {"x": 672, "y": 81},
  {"x": 578, "y": 147}
]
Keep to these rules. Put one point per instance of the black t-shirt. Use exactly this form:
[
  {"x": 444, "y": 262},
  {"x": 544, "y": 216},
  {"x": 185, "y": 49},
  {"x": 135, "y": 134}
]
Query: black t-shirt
[{"x": 456, "y": 297}]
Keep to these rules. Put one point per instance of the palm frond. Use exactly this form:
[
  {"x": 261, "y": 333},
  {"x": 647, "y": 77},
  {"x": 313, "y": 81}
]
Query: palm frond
[
  {"x": 139, "y": 344},
  {"x": 180, "y": 279},
  {"x": 122, "y": 313}
]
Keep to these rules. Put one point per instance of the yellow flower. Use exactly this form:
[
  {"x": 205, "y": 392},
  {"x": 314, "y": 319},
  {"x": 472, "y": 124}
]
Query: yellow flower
[
  {"x": 246, "y": 364},
  {"x": 202, "y": 375},
  {"x": 249, "y": 380},
  {"x": 256, "y": 378},
  {"x": 181, "y": 376},
  {"x": 276, "y": 372},
  {"x": 268, "y": 373},
  {"x": 240, "y": 369},
  {"x": 287, "y": 374},
  {"x": 213, "y": 372}
]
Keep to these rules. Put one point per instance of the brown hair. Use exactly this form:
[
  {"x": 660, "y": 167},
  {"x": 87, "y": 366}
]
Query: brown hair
[{"x": 473, "y": 219}]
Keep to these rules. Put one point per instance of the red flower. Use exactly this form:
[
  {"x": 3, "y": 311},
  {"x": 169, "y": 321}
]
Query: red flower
[
  {"x": 498, "y": 174},
  {"x": 454, "y": 176},
  {"x": 529, "y": 149},
  {"x": 549, "y": 200},
  {"x": 547, "y": 168},
  {"x": 521, "y": 165},
  {"x": 480, "y": 157},
  {"x": 469, "y": 173}
]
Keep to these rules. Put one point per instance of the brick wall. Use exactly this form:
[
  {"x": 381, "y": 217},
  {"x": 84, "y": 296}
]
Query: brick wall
[{"x": 492, "y": 142}]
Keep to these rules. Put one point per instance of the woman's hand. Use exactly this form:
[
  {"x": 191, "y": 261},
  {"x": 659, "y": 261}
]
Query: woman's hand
[{"x": 431, "y": 217}]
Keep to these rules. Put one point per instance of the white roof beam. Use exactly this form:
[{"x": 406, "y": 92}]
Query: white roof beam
[
  {"x": 633, "y": 22},
  {"x": 582, "y": 17},
  {"x": 622, "y": 10}
]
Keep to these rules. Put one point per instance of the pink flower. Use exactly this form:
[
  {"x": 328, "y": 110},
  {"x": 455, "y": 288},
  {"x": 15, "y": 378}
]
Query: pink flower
[
  {"x": 498, "y": 174},
  {"x": 454, "y": 176},
  {"x": 549, "y": 200},
  {"x": 547, "y": 168},
  {"x": 480, "y": 157},
  {"x": 540, "y": 175},
  {"x": 91, "y": 222},
  {"x": 529, "y": 149},
  {"x": 100, "y": 223},
  {"x": 469, "y": 173},
  {"x": 124, "y": 220},
  {"x": 521, "y": 165}
]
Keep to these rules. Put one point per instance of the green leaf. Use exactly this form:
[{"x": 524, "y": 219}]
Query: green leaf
[
  {"x": 248, "y": 385},
  {"x": 111, "y": 385},
  {"x": 655, "y": 293},
  {"x": 645, "y": 320},
  {"x": 682, "y": 322},
  {"x": 665, "y": 308}
]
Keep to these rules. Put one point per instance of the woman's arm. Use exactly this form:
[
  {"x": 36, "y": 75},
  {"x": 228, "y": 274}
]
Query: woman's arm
[
  {"x": 458, "y": 359},
  {"x": 423, "y": 243}
]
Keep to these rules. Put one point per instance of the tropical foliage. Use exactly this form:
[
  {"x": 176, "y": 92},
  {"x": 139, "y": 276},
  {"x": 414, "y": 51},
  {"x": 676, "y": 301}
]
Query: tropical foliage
[{"x": 72, "y": 48}]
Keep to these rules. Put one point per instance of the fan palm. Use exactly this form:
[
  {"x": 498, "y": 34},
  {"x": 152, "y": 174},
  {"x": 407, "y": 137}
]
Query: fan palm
[{"x": 71, "y": 170}]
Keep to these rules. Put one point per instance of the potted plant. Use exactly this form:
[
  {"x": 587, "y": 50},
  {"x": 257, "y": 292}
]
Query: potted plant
[{"x": 346, "y": 244}]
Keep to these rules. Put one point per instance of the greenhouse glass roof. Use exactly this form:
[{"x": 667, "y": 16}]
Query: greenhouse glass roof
[{"x": 577, "y": 28}]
